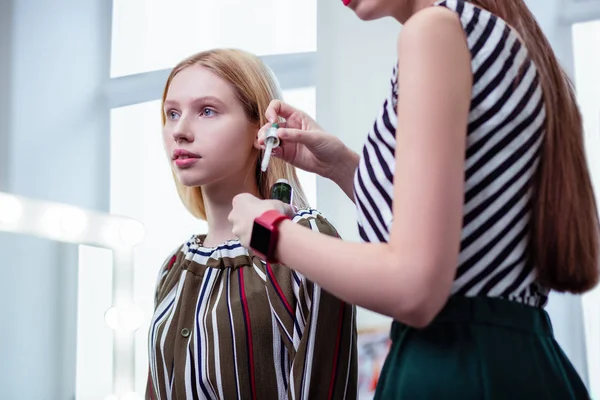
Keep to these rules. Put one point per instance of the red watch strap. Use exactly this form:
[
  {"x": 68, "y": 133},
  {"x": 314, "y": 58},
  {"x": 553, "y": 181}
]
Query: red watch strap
[
  {"x": 271, "y": 218},
  {"x": 270, "y": 221}
]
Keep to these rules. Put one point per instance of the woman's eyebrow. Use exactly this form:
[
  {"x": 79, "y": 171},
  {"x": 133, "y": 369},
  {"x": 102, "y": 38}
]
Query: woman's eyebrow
[{"x": 197, "y": 100}]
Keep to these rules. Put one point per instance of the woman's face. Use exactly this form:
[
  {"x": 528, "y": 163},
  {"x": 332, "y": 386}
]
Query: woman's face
[
  {"x": 374, "y": 9},
  {"x": 207, "y": 135}
]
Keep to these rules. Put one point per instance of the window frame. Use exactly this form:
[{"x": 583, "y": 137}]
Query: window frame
[
  {"x": 293, "y": 71},
  {"x": 577, "y": 11}
]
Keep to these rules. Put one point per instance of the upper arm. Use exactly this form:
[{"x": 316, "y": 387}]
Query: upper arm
[{"x": 435, "y": 84}]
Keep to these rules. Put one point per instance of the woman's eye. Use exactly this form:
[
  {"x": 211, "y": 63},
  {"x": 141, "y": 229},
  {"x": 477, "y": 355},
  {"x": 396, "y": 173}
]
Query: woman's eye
[
  {"x": 208, "y": 112},
  {"x": 172, "y": 115}
]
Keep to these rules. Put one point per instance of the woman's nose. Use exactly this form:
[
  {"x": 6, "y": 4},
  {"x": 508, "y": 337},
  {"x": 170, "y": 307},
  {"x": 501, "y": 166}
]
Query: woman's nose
[{"x": 183, "y": 133}]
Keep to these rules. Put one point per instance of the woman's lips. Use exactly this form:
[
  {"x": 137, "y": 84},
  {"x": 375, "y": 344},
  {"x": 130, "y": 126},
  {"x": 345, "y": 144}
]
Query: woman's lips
[{"x": 185, "y": 162}]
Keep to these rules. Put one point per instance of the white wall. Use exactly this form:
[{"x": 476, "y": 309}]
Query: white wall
[
  {"x": 54, "y": 146},
  {"x": 353, "y": 71},
  {"x": 354, "y": 65}
]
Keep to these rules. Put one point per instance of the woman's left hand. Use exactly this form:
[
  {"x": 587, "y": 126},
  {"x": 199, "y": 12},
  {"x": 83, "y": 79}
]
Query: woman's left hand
[{"x": 246, "y": 208}]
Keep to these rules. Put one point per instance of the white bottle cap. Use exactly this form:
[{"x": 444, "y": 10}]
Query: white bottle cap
[{"x": 272, "y": 136}]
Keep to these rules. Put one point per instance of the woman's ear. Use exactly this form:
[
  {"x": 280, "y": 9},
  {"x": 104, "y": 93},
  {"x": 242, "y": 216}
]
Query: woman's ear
[{"x": 255, "y": 142}]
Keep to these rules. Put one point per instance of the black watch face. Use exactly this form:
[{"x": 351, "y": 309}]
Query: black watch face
[{"x": 261, "y": 238}]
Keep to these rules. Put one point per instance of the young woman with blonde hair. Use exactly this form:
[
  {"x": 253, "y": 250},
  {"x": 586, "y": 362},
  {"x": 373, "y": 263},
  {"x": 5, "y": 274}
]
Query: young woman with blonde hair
[{"x": 228, "y": 325}]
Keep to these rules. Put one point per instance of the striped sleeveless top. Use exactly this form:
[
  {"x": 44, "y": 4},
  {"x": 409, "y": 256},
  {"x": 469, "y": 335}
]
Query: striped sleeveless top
[{"x": 504, "y": 135}]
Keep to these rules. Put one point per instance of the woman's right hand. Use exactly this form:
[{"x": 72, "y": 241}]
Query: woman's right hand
[{"x": 304, "y": 144}]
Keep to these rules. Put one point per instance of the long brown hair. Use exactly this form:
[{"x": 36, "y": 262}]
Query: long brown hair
[
  {"x": 255, "y": 86},
  {"x": 565, "y": 229}
]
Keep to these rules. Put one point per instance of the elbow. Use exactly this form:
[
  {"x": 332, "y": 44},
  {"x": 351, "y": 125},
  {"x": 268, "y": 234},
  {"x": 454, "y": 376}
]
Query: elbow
[
  {"x": 422, "y": 305},
  {"x": 419, "y": 315},
  {"x": 419, "y": 288}
]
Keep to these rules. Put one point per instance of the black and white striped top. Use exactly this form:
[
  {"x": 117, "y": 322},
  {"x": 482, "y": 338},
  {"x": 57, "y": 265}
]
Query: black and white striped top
[{"x": 504, "y": 134}]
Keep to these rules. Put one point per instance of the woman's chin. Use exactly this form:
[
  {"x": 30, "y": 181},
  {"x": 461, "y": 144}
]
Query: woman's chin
[
  {"x": 367, "y": 10},
  {"x": 189, "y": 180}
]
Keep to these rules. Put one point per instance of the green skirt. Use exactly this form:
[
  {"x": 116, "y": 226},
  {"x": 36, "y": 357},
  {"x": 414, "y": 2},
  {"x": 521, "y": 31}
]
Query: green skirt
[{"x": 479, "y": 348}]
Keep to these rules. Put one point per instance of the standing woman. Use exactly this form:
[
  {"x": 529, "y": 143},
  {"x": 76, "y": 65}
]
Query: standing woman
[{"x": 474, "y": 201}]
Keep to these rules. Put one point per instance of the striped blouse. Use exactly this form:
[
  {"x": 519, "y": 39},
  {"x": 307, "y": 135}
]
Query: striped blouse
[{"x": 228, "y": 326}]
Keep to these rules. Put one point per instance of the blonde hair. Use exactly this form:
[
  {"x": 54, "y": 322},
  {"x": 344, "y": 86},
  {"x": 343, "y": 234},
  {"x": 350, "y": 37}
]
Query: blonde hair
[{"x": 255, "y": 87}]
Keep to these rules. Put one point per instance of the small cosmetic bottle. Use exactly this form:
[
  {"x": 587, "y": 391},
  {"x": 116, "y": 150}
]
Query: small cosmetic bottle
[{"x": 282, "y": 190}]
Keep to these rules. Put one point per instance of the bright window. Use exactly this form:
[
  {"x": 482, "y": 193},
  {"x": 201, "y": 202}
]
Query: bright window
[
  {"x": 156, "y": 34},
  {"x": 94, "y": 337},
  {"x": 142, "y": 187},
  {"x": 586, "y": 39}
]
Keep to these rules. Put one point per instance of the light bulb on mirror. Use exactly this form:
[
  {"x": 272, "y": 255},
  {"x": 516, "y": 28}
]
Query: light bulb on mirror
[
  {"x": 73, "y": 221},
  {"x": 50, "y": 221},
  {"x": 11, "y": 209},
  {"x": 111, "y": 317},
  {"x": 125, "y": 318},
  {"x": 130, "y": 396},
  {"x": 131, "y": 232},
  {"x": 125, "y": 396},
  {"x": 60, "y": 221}
]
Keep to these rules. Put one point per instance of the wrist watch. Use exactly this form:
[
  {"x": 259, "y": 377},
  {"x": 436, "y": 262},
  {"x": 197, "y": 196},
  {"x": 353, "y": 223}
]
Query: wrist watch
[{"x": 265, "y": 234}]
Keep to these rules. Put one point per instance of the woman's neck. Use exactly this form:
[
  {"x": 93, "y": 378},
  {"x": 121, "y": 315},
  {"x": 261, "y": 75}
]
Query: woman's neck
[{"x": 217, "y": 205}]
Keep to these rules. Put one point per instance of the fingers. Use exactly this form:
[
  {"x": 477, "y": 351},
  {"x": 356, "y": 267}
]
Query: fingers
[
  {"x": 262, "y": 133},
  {"x": 288, "y": 136},
  {"x": 278, "y": 152},
  {"x": 298, "y": 136},
  {"x": 284, "y": 208},
  {"x": 278, "y": 108}
]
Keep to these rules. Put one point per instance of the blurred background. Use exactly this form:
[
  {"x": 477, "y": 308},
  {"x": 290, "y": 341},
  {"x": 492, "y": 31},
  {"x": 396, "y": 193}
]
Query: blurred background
[{"x": 80, "y": 83}]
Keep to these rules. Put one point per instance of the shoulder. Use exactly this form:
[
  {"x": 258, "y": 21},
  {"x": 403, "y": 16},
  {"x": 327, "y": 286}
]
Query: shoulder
[
  {"x": 432, "y": 46},
  {"x": 188, "y": 249},
  {"x": 228, "y": 254},
  {"x": 432, "y": 27},
  {"x": 315, "y": 220},
  {"x": 172, "y": 258},
  {"x": 165, "y": 270}
]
